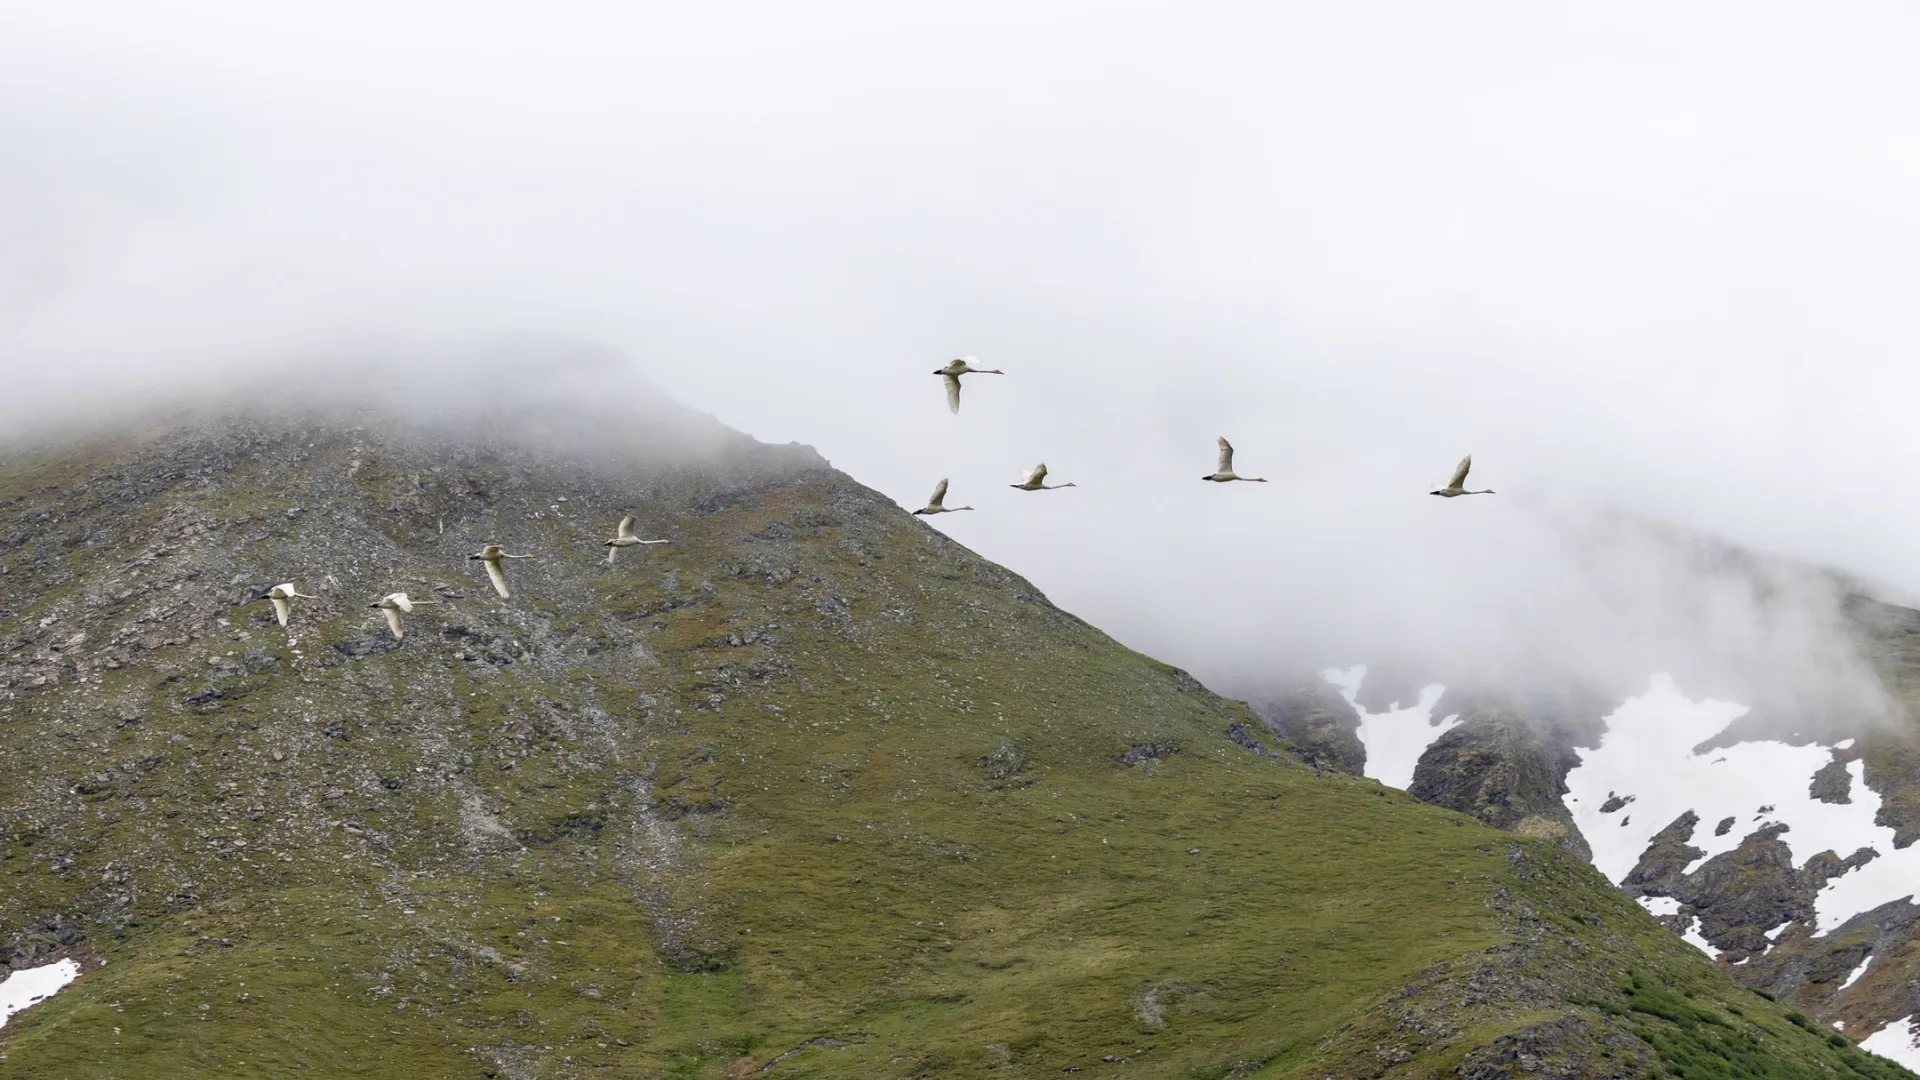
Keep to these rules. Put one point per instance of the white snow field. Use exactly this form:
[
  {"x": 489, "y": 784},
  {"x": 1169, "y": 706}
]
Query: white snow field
[
  {"x": 1895, "y": 1042},
  {"x": 1692, "y": 936},
  {"x": 1666, "y": 905},
  {"x": 1858, "y": 970},
  {"x": 1647, "y": 755},
  {"x": 30, "y": 985},
  {"x": 1394, "y": 740},
  {"x": 1661, "y": 906}
]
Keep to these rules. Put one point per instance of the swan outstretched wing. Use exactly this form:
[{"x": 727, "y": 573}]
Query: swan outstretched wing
[
  {"x": 625, "y": 531},
  {"x": 939, "y": 493},
  {"x": 1038, "y": 474},
  {"x": 393, "y": 621},
  {"x": 499, "y": 577},
  {"x": 1460, "y": 472},
  {"x": 953, "y": 392},
  {"x": 282, "y": 607},
  {"x": 1226, "y": 454},
  {"x": 402, "y": 601}
]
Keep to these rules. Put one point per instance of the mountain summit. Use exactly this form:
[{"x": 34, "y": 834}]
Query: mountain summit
[{"x": 812, "y": 790}]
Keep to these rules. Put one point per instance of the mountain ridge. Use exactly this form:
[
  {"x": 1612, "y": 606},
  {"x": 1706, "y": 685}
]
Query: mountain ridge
[
  {"x": 811, "y": 791},
  {"x": 1751, "y": 896}
]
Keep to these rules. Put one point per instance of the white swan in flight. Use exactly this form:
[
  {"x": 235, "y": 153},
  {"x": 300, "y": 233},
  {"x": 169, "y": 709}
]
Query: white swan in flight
[
  {"x": 283, "y": 596},
  {"x": 1225, "y": 472},
  {"x": 395, "y": 604},
  {"x": 1458, "y": 485},
  {"x": 625, "y": 538},
  {"x": 1034, "y": 481},
  {"x": 491, "y": 556},
  {"x": 952, "y": 373},
  {"x": 937, "y": 504}
]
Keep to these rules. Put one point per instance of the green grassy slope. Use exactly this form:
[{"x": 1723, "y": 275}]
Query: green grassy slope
[{"x": 811, "y": 792}]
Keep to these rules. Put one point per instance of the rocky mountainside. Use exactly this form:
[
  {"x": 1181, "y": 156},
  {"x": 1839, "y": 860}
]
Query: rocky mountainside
[
  {"x": 1801, "y": 912},
  {"x": 811, "y": 791}
]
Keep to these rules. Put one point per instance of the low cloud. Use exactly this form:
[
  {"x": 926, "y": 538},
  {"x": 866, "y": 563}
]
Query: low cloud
[{"x": 1664, "y": 278}]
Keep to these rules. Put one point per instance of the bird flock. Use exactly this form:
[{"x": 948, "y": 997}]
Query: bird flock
[
  {"x": 1036, "y": 478},
  {"x": 493, "y": 557},
  {"x": 399, "y": 604}
]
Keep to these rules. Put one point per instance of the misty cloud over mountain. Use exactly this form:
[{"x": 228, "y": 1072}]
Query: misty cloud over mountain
[{"x": 1649, "y": 274}]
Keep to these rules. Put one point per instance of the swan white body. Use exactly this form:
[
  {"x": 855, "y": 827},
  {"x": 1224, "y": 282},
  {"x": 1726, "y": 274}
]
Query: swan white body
[
  {"x": 1036, "y": 481},
  {"x": 283, "y": 596},
  {"x": 937, "y": 504},
  {"x": 491, "y": 556},
  {"x": 624, "y": 538},
  {"x": 1223, "y": 470},
  {"x": 395, "y": 604},
  {"x": 952, "y": 372},
  {"x": 1458, "y": 485}
]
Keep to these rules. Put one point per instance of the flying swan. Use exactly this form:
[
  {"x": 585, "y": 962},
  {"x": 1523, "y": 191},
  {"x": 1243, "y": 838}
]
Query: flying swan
[
  {"x": 1034, "y": 479},
  {"x": 952, "y": 373},
  {"x": 625, "y": 538},
  {"x": 395, "y": 604},
  {"x": 283, "y": 596},
  {"x": 937, "y": 504},
  {"x": 491, "y": 555},
  {"x": 1457, "y": 485},
  {"x": 1224, "y": 472}
]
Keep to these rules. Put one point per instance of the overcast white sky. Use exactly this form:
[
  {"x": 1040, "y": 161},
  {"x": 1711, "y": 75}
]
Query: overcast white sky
[{"x": 1664, "y": 257}]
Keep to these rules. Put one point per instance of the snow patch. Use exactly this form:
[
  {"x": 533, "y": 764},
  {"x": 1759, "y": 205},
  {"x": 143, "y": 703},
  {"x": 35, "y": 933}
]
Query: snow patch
[
  {"x": 1647, "y": 752},
  {"x": 1692, "y": 936},
  {"x": 30, "y": 985},
  {"x": 1660, "y": 905},
  {"x": 1394, "y": 740},
  {"x": 1843, "y": 744},
  {"x": 1897, "y": 1042},
  {"x": 1858, "y": 971}
]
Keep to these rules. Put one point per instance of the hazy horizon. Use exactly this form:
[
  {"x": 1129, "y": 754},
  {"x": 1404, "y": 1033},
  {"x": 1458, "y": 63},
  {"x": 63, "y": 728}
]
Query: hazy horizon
[{"x": 1654, "y": 272}]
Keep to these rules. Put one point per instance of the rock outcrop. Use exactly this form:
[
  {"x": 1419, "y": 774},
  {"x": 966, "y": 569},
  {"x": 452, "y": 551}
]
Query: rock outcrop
[
  {"x": 1505, "y": 771},
  {"x": 1322, "y": 728}
]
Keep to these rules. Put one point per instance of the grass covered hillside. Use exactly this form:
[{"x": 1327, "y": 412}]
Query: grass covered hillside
[{"x": 813, "y": 791}]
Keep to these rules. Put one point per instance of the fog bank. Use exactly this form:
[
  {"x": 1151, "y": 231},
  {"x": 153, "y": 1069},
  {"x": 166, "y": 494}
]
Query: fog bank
[{"x": 1660, "y": 274}]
